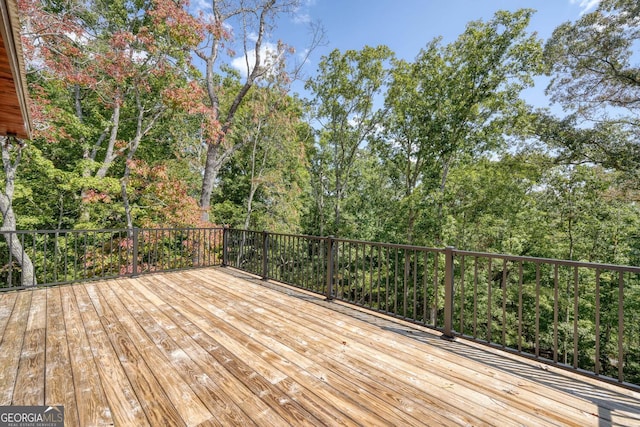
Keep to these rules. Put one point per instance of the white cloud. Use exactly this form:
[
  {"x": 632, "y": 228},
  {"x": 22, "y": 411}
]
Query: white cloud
[
  {"x": 304, "y": 55},
  {"x": 201, "y": 5},
  {"x": 301, "y": 18},
  {"x": 139, "y": 56},
  {"x": 301, "y": 13},
  {"x": 244, "y": 64},
  {"x": 81, "y": 39},
  {"x": 586, "y": 5}
]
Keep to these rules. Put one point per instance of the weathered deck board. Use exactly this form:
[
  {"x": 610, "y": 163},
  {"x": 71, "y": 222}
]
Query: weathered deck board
[
  {"x": 30, "y": 378},
  {"x": 59, "y": 387},
  {"x": 11, "y": 347},
  {"x": 125, "y": 408},
  {"x": 7, "y": 301},
  {"x": 94, "y": 410},
  {"x": 329, "y": 350},
  {"x": 209, "y": 347},
  {"x": 272, "y": 365},
  {"x": 400, "y": 374},
  {"x": 400, "y": 377},
  {"x": 399, "y": 369}
]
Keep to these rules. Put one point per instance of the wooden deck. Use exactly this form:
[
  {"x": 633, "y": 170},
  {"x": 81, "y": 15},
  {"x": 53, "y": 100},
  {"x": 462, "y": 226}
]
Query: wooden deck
[{"x": 216, "y": 347}]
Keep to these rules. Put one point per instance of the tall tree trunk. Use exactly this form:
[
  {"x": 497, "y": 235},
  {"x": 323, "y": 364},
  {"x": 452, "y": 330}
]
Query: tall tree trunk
[
  {"x": 111, "y": 155},
  {"x": 338, "y": 188},
  {"x": 78, "y": 102},
  {"x": 218, "y": 153},
  {"x": 211, "y": 168},
  {"x": 408, "y": 193},
  {"x": 84, "y": 212},
  {"x": 217, "y": 156},
  {"x": 90, "y": 153},
  {"x": 8, "y": 216}
]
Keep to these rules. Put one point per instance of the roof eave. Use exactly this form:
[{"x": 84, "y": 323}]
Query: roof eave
[{"x": 10, "y": 28}]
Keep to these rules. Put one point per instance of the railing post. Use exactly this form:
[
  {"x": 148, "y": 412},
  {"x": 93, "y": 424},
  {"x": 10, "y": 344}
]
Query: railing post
[
  {"x": 225, "y": 246},
  {"x": 265, "y": 254},
  {"x": 448, "y": 293},
  {"x": 330, "y": 259},
  {"x": 134, "y": 268}
]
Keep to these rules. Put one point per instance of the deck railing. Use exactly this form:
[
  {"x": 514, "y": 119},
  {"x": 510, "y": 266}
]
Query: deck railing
[
  {"x": 575, "y": 315},
  {"x": 579, "y": 316},
  {"x": 68, "y": 256}
]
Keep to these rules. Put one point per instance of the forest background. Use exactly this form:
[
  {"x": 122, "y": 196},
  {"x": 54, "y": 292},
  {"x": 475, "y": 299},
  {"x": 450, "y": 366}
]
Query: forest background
[{"x": 142, "y": 121}]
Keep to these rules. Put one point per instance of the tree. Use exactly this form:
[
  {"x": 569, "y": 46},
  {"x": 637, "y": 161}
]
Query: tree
[
  {"x": 593, "y": 78},
  {"x": 276, "y": 157},
  {"x": 489, "y": 205},
  {"x": 609, "y": 144},
  {"x": 345, "y": 92},
  {"x": 11, "y": 155},
  {"x": 587, "y": 217},
  {"x": 403, "y": 149},
  {"x": 262, "y": 186},
  {"x": 254, "y": 19},
  {"x": 455, "y": 103},
  {"x": 590, "y": 63},
  {"x": 101, "y": 71},
  {"x": 159, "y": 196}
]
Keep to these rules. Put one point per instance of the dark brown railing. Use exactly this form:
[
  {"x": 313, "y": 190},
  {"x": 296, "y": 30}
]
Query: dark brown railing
[
  {"x": 580, "y": 316},
  {"x": 576, "y": 315},
  {"x": 53, "y": 257}
]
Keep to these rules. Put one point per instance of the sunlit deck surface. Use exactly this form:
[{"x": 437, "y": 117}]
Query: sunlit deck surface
[{"x": 217, "y": 347}]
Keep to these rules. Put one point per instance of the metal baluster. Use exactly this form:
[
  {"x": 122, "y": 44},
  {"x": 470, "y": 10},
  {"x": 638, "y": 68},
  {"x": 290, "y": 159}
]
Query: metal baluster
[
  {"x": 597, "y": 355},
  {"x": 395, "y": 282},
  {"x": 436, "y": 281},
  {"x": 405, "y": 283},
  {"x": 575, "y": 317},
  {"x": 379, "y": 278},
  {"x": 504, "y": 302},
  {"x": 415, "y": 286},
  {"x": 555, "y": 313},
  {"x": 448, "y": 292},
  {"x": 462, "y": 274},
  {"x": 520, "y": 284},
  {"x": 424, "y": 289},
  {"x": 475, "y": 297},
  {"x": 489, "y": 298},
  {"x": 620, "y": 326},
  {"x": 537, "y": 309}
]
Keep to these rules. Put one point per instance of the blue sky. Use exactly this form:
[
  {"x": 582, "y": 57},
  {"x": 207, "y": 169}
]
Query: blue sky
[{"x": 406, "y": 26}]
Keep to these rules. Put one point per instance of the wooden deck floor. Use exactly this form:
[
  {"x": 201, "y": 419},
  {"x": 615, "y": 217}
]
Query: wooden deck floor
[{"x": 214, "y": 347}]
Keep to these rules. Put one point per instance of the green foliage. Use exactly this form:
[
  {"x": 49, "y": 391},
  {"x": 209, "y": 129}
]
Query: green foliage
[
  {"x": 263, "y": 186},
  {"x": 345, "y": 91},
  {"x": 593, "y": 77},
  {"x": 450, "y": 106},
  {"x": 590, "y": 61},
  {"x": 487, "y": 201}
]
